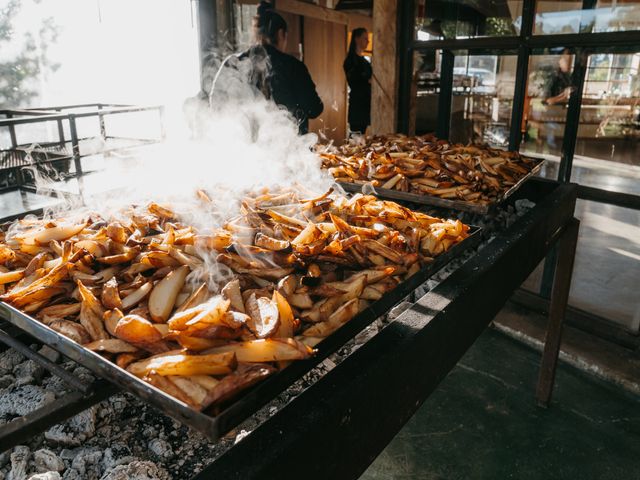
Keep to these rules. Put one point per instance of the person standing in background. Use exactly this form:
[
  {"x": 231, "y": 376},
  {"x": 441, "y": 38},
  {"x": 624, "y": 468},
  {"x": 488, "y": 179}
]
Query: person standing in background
[
  {"x": 358, "y": 72},
  {"x": 561, "y": 84},
  {"x": 558, "y": 92},
  {"x": 265, "y": 70},
  {"x": 286, "y": 80}
]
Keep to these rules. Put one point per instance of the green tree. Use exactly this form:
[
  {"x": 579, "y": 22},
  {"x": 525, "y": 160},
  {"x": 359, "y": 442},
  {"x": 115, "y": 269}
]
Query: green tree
[
  {"x": 19, "y": 72},
  {"x": 499, "y": 27}
]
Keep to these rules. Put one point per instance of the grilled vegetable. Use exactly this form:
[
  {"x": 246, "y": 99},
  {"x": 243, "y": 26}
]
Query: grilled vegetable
[
  {"x": 290, "y": 268},
  {"x": 427, "y": 166}
]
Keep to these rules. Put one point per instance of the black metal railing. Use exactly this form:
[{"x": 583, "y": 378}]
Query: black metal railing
[{"x": 16, "y": 160}]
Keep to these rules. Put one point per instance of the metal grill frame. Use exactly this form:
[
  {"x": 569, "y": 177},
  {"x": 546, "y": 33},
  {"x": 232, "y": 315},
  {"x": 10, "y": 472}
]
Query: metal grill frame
[
  {"x": 348, "y": 416},
  {"x": 215, "y": 427}
]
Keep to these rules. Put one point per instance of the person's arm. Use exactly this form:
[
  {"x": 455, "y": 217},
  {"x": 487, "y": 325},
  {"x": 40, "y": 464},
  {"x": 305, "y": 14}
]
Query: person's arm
[
  {"x": 307, "y": 96},
  {"x": 560, "y": 98}
]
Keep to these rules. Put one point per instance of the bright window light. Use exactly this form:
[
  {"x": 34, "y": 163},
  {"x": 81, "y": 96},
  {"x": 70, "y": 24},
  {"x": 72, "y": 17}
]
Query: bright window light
[{"x": 83, "y": 51}]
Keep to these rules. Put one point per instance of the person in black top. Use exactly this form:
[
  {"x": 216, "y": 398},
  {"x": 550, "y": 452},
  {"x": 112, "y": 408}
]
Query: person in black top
[
  {"x": 285, "y": 79},
  {"x": 560, "y": 86},
  {"x": 558, "y": 92},
  {"x": 262, "y": 70},
  {"x": 358, "y": 71}
]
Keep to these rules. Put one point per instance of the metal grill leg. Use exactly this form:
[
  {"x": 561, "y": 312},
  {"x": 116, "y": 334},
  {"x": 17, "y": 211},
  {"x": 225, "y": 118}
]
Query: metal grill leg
[{"x": 566, "y": 250}]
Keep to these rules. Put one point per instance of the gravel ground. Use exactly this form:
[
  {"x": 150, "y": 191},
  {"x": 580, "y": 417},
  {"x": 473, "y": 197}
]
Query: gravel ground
[{"x": 124, "y": 439}]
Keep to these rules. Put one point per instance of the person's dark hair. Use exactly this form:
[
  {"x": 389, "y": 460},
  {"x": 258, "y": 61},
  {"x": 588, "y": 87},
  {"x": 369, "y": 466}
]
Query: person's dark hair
[
  {"x": 269, "y": 22},
  {"x": 355, "y": 34}
]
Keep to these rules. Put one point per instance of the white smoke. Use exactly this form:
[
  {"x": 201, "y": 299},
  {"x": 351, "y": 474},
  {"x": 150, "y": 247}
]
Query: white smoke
[{"x": 240, "y": 142}]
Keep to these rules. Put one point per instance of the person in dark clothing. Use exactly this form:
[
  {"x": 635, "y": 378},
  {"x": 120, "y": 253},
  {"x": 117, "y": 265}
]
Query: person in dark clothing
[
  {"x": 285, "y": 80},
  {"x": 560, "y": 86},
  {"x": 262, "y": 70},
  {"x": 358, "y": 71},
  {"x": 558, "y": 93}
]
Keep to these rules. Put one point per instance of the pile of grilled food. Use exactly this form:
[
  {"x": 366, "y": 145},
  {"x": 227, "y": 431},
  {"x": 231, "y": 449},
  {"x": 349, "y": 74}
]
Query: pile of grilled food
[
  {"x": 203, "y": 315},
  {"x": 427, "y": 166}
]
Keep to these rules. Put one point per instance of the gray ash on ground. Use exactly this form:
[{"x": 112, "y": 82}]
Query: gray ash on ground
[
  {"x": 124, "y": 438},
  {"x": 120, "y": 438}
]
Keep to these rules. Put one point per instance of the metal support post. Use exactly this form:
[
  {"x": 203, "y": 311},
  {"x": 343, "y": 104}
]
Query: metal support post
[
  {"x": 75, "y": 145},
  {"x": 12, "y": 133},
  {"x": 573, "y": 116},
  {"x": 406, "y": 18},
  {"x": 566, "y": 250},
  {"x": 446, "y": 92},
  {"x": 103, "y": 128}
]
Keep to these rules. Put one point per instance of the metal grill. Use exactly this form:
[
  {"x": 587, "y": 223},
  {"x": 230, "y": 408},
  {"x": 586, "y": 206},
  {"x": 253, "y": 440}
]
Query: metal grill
[
  {"x": 216, "y": 426},
  {"x": 399, "y": 367},
  {"x": 13, "y": 159},
  {"x": 93, "y": 145}
]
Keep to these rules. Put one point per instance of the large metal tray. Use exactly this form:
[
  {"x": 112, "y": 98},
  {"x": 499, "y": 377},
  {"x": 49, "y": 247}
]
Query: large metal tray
[
  {"x": 214, "y": 427},
  {"x": 425, "y": 199}
]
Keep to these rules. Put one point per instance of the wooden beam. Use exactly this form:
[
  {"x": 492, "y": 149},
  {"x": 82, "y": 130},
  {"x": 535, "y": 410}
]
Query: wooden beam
[
  {"x": 312, "y": 11},
  {"x": 384, "y": 85},
  {"x": 356, "y": 20},
  {"x": 351, "y": 20}
]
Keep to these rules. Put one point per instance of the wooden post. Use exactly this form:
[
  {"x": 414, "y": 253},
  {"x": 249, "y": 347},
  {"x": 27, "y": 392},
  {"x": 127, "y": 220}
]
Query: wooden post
[
  {"x": 566, "y": 252},
  {"x": 384, "y": 86}
]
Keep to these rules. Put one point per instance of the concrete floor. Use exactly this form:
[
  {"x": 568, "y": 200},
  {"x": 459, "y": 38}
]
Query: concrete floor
[
  {"x": 607, "y": 263},
  {"x": 482, "y": 423},
  {"x": 616, "y": 361}
]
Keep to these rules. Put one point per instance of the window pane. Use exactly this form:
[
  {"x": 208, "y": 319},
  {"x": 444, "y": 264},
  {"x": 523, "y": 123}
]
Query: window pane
[
  {"x": 427, "y": 74},
  {"x": 77, "y": 51},
  {"x": 608, "y": 145},
  {"x": 607, "y": 264},
  {"x": 613, "y": 16},
  {"x": 244, "y": 28},
  {"x": 553, "y": 17},
  {"x": 482, "y": 99},
  {"x": 467, "y": 18},
  {"x": 549, "y": 85}
]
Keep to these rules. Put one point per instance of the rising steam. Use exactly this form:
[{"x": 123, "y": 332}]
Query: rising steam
[{"x": 227, "y": 144}]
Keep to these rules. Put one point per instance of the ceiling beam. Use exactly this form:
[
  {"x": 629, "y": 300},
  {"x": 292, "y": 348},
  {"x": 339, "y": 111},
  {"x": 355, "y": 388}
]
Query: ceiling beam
[{"x": 351, "y": 20}]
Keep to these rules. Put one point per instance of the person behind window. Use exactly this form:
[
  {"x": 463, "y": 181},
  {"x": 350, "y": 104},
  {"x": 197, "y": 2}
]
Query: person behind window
[
  {"x": 285, "y": 79},
  {"x": 558, "y": 93},
  {"x": 560, "y": 85},
  {"x": 358, "y": 71}
]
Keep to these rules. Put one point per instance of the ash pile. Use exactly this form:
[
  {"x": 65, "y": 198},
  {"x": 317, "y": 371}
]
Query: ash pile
[{"x": 117, "y": 439}]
